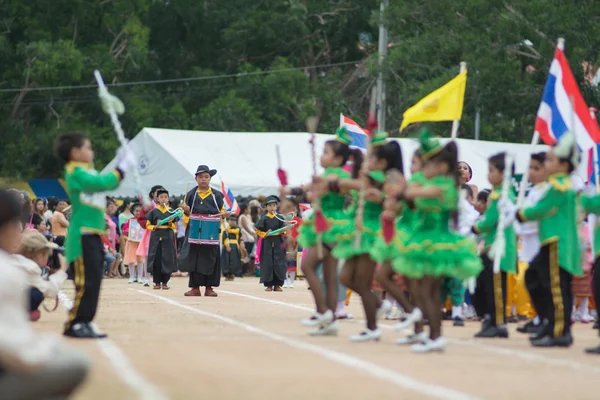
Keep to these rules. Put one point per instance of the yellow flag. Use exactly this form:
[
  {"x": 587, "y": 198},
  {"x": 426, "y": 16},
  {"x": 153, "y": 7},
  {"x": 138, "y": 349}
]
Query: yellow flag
[{"x": 444, "y": 104}]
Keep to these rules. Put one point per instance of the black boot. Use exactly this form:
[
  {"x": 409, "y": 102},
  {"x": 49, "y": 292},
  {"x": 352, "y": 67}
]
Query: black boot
[
  {"x": 493, "y": 332},
  {"x": 593, "y": 350},
  {"x": 80, "y": 330}
]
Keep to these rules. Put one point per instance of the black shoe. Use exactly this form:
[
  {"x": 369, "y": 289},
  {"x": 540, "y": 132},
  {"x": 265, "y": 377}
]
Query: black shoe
[
  {"x": 493, "y": 332},
  {"x": 512, "y": 319},
  {"x": 458, "y": 321},
  {"x": 80, "y": 331},
  {"x": 593, "y": 350},
  {"x": 548, "y": 341},
  {"x": 543, "y": 329},
  {"x": 521, "y": 318},
  {"x": 529, "y": 327},
  {"x": 596, "y": 324}
]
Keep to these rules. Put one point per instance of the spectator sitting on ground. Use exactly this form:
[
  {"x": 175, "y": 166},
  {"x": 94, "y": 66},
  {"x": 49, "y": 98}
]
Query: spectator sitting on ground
[{"x": 34, "y": 252}]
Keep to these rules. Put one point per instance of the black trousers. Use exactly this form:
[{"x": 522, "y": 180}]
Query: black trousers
[
  {"x": 490, "y": 293},
  {"x": 549, "y": 288},
  {"x": 87, "y": 274},
  {"x": 158, "y": 276},
  {"x": 35, "y": 298}
]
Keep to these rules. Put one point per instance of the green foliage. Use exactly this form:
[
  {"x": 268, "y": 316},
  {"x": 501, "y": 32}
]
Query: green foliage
[{"x": 249, "y": 58}]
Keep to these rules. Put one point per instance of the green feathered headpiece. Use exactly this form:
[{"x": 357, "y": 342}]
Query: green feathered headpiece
[
  {"x": 377, "y": 176},
  {"x": 343, "y": 136},
  {"x": 379, "y": 138},
  {"x": 428, "y": 147},
  {"x": 567, "y": 149}
]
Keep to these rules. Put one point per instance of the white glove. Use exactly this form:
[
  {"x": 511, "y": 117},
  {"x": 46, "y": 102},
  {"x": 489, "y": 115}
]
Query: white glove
[
  {"x": 506, "y": 206},
  {"x": 126, "y": 159}
]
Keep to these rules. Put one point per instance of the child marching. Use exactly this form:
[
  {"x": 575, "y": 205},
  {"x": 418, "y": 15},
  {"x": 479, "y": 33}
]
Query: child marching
[
  {"x": 433, "y": 250},
  {"x": 231, "y": 259},
  {"x": 272, "y": 251},
  {"x": 491, "y": 287},
  {"x": 549, "y": 275},
  {"x": 83, "y": 247},
  {"x": 162, "y": 250}
]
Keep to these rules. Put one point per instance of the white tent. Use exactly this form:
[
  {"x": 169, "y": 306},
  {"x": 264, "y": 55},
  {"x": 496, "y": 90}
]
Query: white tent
[{"x": 247, "y": 161}]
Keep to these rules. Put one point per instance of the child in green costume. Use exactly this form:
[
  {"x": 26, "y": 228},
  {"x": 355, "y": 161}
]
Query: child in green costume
[
  {"x": 491, "y": 288},
  {"x": 433, "y": 250},
  {"x": 385, "y": 253},
  {"x": 549, "y": 275},
  {"x": 357, "y": 272},
  {"x": 335, "y": 155},
  {"x": 83, "y": 246}
]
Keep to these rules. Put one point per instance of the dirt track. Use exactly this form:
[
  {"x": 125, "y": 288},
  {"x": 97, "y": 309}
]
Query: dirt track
[{"x": 249, "y": 344}]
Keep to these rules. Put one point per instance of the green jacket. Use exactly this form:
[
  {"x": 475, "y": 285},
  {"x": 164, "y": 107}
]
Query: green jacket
[
  {"x": 487, "y": 226},
  {"x": 85, "y": 187},
  {"x": 557, "y": 213},
  {"x": 591, "y": 205}
]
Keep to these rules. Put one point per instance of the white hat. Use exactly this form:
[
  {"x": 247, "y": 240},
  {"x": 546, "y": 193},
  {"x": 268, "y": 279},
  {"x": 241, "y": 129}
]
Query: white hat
[{"x": 34, "y": 241}]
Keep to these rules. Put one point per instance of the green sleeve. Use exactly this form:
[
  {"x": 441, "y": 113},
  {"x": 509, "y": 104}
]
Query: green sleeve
[
  {"x": 93, "y": 182},
  {"x": 489, "y": 220},
  {"x": 591, "y": 204},
  {"x": 548, "y": 205}
]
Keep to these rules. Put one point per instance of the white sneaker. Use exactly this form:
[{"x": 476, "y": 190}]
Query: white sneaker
[
  {"x": 131, "y": 280},
  {"x": 285, "y": 286},
  {"x": 367, "y": 335},
  {"x": 330, "y": 329},
  {"x": 429, "y": 345},
  {"x": 291, "y": 285},
  {"x": 384, "y": 308},
  {"x": 410, "y": 319},
  {"x": 319, "y": 319},
  {"x": 413, "y": 338},
  {"x": 147, "y": 282}
]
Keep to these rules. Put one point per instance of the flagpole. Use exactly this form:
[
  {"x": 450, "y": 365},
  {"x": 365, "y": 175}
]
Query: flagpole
[
  {"x": 595, "y": 153},
  {"x": 456, "y": 123}
]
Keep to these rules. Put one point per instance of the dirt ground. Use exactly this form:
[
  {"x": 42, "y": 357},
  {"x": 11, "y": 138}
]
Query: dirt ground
[{"x": 249, "y": 344}]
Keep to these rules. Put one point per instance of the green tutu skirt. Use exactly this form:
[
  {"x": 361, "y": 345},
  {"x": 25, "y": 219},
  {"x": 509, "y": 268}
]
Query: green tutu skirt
[
  {"x": 382, "y": 251},
  {"x": 345, "y": 248},
  {"x": 307, "y": 237},
  {"x": 447, "y": 255}
]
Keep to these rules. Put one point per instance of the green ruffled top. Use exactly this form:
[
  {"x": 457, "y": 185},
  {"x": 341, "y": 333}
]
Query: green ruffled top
[
  {"x": 332, "y": 205},
  {"x": 432, "y": 248},
  {"x": 383, "y": 251}
]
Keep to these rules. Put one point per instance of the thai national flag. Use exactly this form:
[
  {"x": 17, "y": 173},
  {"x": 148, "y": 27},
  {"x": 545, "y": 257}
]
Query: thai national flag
[
  {"x": 563, "y": 108},
  {"x": 231, "y": 203},
  {"x": 591, "y": 175},
  {"x": 359, "y": 135}
]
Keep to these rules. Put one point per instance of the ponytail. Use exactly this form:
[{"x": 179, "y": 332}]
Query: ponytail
[{"x": 357, "y": 161}]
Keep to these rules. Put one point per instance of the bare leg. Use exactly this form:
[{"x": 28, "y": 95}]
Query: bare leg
[
  {"x": 414, "y": 289},
  {"x": 309, "y": 264},
  {"x": 365, "y": 267},
  {"x": 330, "y": 277},
  {"x": 431, "y": 298},
  {"x": 384, "y": 276}
]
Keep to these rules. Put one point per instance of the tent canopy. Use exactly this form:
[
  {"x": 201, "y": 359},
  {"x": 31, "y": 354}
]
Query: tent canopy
[{"x": 247, "y": 161}]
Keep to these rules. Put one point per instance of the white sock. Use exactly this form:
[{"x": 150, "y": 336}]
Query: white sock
[
  {"x": 536, "y": 320},
  {"x": 583, "y": 306},
  {"x": 341, "y": 307},
  {"x": 457, "y": 312},
  {"x": 140, "y": 270},
  {"x": 132, "y": 272},
  {"x": 291, "y": 277}
]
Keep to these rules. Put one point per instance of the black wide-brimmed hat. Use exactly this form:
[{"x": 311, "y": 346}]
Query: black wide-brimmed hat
[{"x": 204, "y": 168}]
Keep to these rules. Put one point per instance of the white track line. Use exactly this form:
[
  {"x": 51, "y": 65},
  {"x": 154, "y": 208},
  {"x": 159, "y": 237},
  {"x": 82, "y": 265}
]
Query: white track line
[
  {"x": 521, "y": 354},
  {"x": 127, "y": 373},
  {"x": 401, "y": 380},
  {"x": 123, "y": 368}
]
